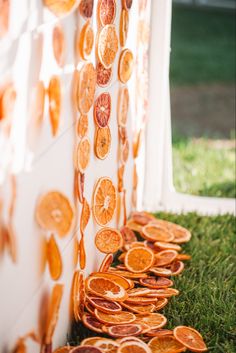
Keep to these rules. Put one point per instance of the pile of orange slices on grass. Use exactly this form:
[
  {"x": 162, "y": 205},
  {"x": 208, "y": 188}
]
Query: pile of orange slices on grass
[{"x": 123, "y": 299}]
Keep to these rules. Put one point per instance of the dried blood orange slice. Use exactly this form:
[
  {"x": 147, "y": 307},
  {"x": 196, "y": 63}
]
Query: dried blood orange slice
[
  {"x": 176, "y": 268},
  {"x": 7, "y": 102},
  {"x": 125, "y": 66},
  {"x": 166, "y": 344},
  {"x": 142, "y": 217},
  {"x": 183, "y": 257},
  {"x": 107, "y": 45},
  {"x": 59, "y": 7},
  {"x": 108, "y": 240},
  {"x": 124, "y": 282},
  {"x": 123, "y": 107},
  {"x": 86, "y": 349},
  {"x": 92, "y": 323},
  {"x": 190, "y": 338},
  {"x": 140, "y": 309},
  {"x": 85, "y": 215},
  {"x": 54, "y": 213},
  {"x": 54, "y": 258},
  {"x": 139, "y": 259},
  {"x": 124, "y": 26},
  {"x": 104, "y": 201},
  {"x": 106, "y": 288},
  {"x": 106, "y": 263},
  {"x": 160, "y": 271},
  {"x": 128, "y": 235},
  {"x": 54, "y": 95},
  {"x": 53, "y": 312},
  {"x": 102, "y": 143},
  {"x": 161, "y": 303},
  {"x": 90, "y": 341},
  {"x": 82, "y": 126},
  {"x": 127, "y": 4},
  {"x": 153, "y": 232},
  {"x": 159, "y": 332},
  {"x": 103, "y": 75},
  {"x": 58, "y": 42},
  {"x": 84, "y": 44},
  {"x": 37, "y": 102},
  {"x": 155, "y": 282},
  {"x": 154, "y": 320},
  {"x": 124, "y": 330},
  {"x": 82, "y": 154},
  {"x": 106, "y": 11},
  {"x": 133, "y": 347},
  {"x": 167, "y": 246},
  {"x": 102, "y": 109},
  {"x": 86, "y": 8},
  {"x": 86, "y": 87},
  {"x": 107, "y": 345},
  {"x": 123, "y": 317},
  {"x": 165, "y": 257},
  {"x": 105, "y": 305}
]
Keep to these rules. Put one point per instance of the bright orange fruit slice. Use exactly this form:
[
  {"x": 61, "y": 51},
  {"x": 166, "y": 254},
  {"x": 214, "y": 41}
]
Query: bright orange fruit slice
[
  {"x": 134, "y": 347},
  {"x": 140, "y": 300},
  {"x": 106, "y": 11},
  {"x": 82, "y": 126},
  {"x": 106, "y": 263},
  {"x": 104, "y": 305},
  {"x": 92, "y": 323},
  {"x": 54, "y": 95},
  {"x": 82, "y": 252},
  {"x": 59, "y": 7},
  {"x": 102, "y": 143},
  {"x": 124, "y": 330},
  {"x": 161, "y": 302},
  {"x": 102, "y": 109},
  {"x": 78, "y": 295},
  {"x": 86, "y": 8},
  {"x": 183, "y": 257},
  {"x": 123, "y": 106},
  {"x": 159, "y": 332},
  {"x": 90, "y": 341},
  {"x": 142, "y": 218},
  {"x": 104, "y": 201},
  {"x": 86, "y": 87},
  {"x": 167, "y": 246},
  {"x": 54, "y": 258},
  {"x": 123, "y": 317},
  {"x": 153, "y": 232},
  {"x": 124, "y": 26},
  {"x": 140, "y": 309},
  {"x": 160, "y": 271},
  {"x": 138, "y": 292},
  {"x": 165, "y": 257},
  {"x": 190, "y": 338},
  {"x": 154, "y": 320},
  {"x": 107, "y": 45},
  {"x": 85, "y": 215},
  {"x": 166, "y": 344},
  {"x": 139, "y": 259},
  {"x": 58, "y": 43},
  {"x": 54, "y": 213},
  {"x": 84, "y": 43},
  {"x": 107, "y": 345},
  {"x": 103, "y": 75},
  {"x": 128, "y": 274},
  {"x": 136, "y": 148},
  {"x": 176, "y": 268},
  {"x": 108, "y": 240},
  {"x": 125, "y": 66},
  {"x": 106, "y": 288},
  {"x": 124, "y": 282},
  {"x": 134, "y": 226},
  {"x": 82, "y": 154}
]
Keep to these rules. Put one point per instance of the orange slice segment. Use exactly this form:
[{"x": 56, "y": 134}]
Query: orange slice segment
[
  {"x": 106, "y": 11},
  {"x": 58, "y": 41},
  {"x": 104, "y": 201},
  {"x": 166, "y": 344},
  {"x": 86, "y": 87},
  {"x": 139, "y": 259},
  {"x": 78, "y": 295},
  {"x": 102, "y": 109},
  {"x": 123, "y": 317},
  {"x": 84, "y": 44},
  {"x": 86, "y": 8},
  {"x": 107, "y": 45},
  {"x": 85, "y": 215},
  {"x": 54, "y": 258},
  {"x": 125, "y": 66},
  {"x": 165, "y": 257},
  {"x": 155, "y": 233},
  {"x": 124, "y": 26},
  {"x": 104, "y": 75},
  {"x": 102, "y": 142},
  {"x": 59, "y": 7},
  {"x": 190, "y": 338},
  {"x": 82, "y": 126},
  {"x": 108, "y": 240},
  {"x": 82, "y": 154},
  {"x": 106, "y": 288},
  {"x": 54, "y": 213},
  {"x": 54, "y": 95},
  {"x": 104, "y": 305},
  {"x": 123, "y": 106}
]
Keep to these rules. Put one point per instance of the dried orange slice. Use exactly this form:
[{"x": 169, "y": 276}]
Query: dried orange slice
[
  {"x": 58, "y": 42},
  {"x": 54, "y": 95},
  {"x": 137, "y": 145},
  {"x": 125, "y": 66},
  {"x": 107, "y": 45},
  {"x": 154, "y": 320},
  {"x": 133, "y": 347},
  {"x": 124, "y": 282},
  {"x": 79, "y": 185},
  {"x": 134, "y": 226},
  {"x": 190, "y": 338},
  {"x": 85, "y": 215},
  {"x": 166, "y": 344},
  {"x": 82, "y": 154},
  {"x": 153, "y": 232},
  {"x": 102, "y": 109},
  {"x": 4, "y": 17},
  {"x": 86, "y": 87},
  {"x": 82, "y": 253},
  {"x": 140, "y": 309},
  {"x": 165, "y": 257},
  {"x": 181, "y": 234},
  {"x": 82, "y": 125},
  {"x": 106, "y": 11},
  {"x": 160, "y": 271},
  {"x": 90, "y": 341},
  {"x": 140, "y": 300},
  {"x": 7, "y": 102},
  {"x": 104, "y": 305},
  {"x": 138, "y": 292},
  {"x": 167, "y": 246},
  {"x": 84, "y": 44},
  {"x": 102, "y": 143},
  {"x": 128, "y": 274},
  {"x": 155, "y": 282},
  {"x": 122, "y": 133},
  {"x": 86, "y": 349},
  {"x": 127, "y": 4},
  {"x": 38, "y": 98},
  {"x": 107, "y": 345},
  {"x": 103, "y": 75},
  {"x": 65, "y": 349},
  {"x": 176, "y": 268},
  {"x": 59, "y": 7},
  {"x": 165, "y": 292},
  {"x": 123, "y": 317},
  {"x": 183, "y": 257},
  {"x": 54, "y": 258},
  {"x": 106, "y": 263},
  {"x": 124, "y": 152},
  {"x": 128, "y": 235},
  {"x": 124, "y": 26},
  {"x": 139, "y": 259},
  {"x": 135, "y": 177},
  {"x": 124, "y": 330},
  {"x": 54, "y": 213},
  {"x": 78, "y": 295},
  {"x": 104, "y": 201},
  {"x": 106, "y": 288},
  {"x": 142, "y": 218},
  {"x": 92, "y": 323},
  {"x": 108, "y": 240},
  {"x": 123, "y": 107},
  {"x": 159, "y": 332},
  {"x": 161, "y": 303},
  {"x": 86, "y": 8}
]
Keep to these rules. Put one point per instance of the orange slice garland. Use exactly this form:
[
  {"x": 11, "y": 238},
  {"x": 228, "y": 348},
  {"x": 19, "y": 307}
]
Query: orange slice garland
[
  {"x": 107, "y": 45},
  {"x": 58, "y": 41},
  {"x": 106, "y": 263},
  {"x": 54, "y": 95},
  {"x": 108, "y": 240},
  {"x": 139, "y": 259},
  {"x": 86, "y": 87},
  {"x": 103, "y": 75},
  {"x": 125, "y": 66},
  {"x": 82, "y": 154},
  {"x": 82, "y": 126},
  {"x": 84, "y": 44},
  {"x": 123, "y": 106},
  {"x": 102, "y": 142},
  {"x": 190, "y": 338},
  {"x": 106, "y": 11},
  {"x": 7, "y": 102},
  {"x": 102, "y": 109},
  {"x": 106, "y": 288},
  {"x": 127, "y": 4},
  {"x": 59, "y": 7},
  {"x": 86, "y": 8},
  {"x": 85, "y": 215},
  {"x": 54, "y": 258},
  {"x": 124, "y": 26}
]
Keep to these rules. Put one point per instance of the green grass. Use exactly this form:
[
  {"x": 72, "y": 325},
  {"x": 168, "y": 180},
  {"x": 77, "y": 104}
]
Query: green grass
[
  {"x": 208, "y": 284},
  {"x": 202, "y": 169},
  {"x": 203, "y": 46}
]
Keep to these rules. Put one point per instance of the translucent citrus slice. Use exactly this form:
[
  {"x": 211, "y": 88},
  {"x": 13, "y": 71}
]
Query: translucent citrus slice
[
  {"x": 37, "y": 102},
  {"x": 106, "y": 288},
  {"x": 154, "y": 320},
  {"x": 128, "y": 235},
  {"x": 102, "y": 109},
  {"x": 53, "y": 312},
  {"x": 155, "y": 233},
  {"x": 82, "y": 154},
  {"x": 106, "y": 11},
  {"x": 140, "y": 309},
  {"x": 166, "y": 344},
  {"x": 107, "y": 45},
  {"x": 124, "y": 26},
  {"x": 127, "y": 4},
  {"x": 123, "y": 107},
  {"x": 86, "y": 87},
  {"x": 165, "y": 257},
  {"x": 84, "y": 44},
  {"x": 82, "y": 126},
  {"x": 54, "y": 213},
  {"x": 90, "y": 341},
  {"x": 135, "y": 244},
  {"x": 102, "y": 143},
  {"x": 86, "y": 8},
  {"x": 104, "y": 305},
  {"x": 160, "y": 271},
  {"x": 139, "y": 259},
  {"x": 124, "y": 330},
  {"x": 190, "y": 338},
  {"x": 106, "y": 263},
  {"x": 183, "y": 257},
  {"x": 54, "y": 258},
  {"x": 125, "y": 66},
  {"x": 4, "y": 17},
  {"x": 124, "y": 282},
  {"x": 85, "y": 215},
  {"x": 54, "y": 95},
  {"x": 104, "y": 201},
  {"x": 59, "y": 7},
  {"x": 142, "y": 218},
  {"x": 58, "y": 42},
  {"x": 123, "y": 317},
  {"x": 103, "y": 75},
  {"x": 92, "y": 323},
  {"x": 167, "y": 246},
  {"x": 161, "y": 303},
  {"x": 176, "y": 268},
  {"x": 155, "y": 282},
  {"x": 107, "y": 345},
  {"x": 86, "y": 349},
  {"x": 108, "y": 240},
  {"x": 133, "y": 347},
  {"x": 159, "y": 332}
]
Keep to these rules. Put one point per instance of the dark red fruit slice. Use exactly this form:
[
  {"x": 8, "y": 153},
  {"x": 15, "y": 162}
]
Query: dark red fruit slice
[
  {"x": 156, "y": 282},
  {"x": 124, "y": 330},
  {"x": 103, "y": 75},
  {"x": 106, "y": 11},
  {"x": 92, "y": 323},
  {"x": 128, "y": 235},
  {"x": 86, "y": 8},
  {"x": 102, "y": 109},
  {"x": 105, "y": 305}
]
